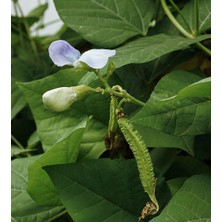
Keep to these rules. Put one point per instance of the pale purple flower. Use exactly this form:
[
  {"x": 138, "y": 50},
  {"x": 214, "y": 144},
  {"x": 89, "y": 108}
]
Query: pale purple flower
[{"x": 62, "y": 53}]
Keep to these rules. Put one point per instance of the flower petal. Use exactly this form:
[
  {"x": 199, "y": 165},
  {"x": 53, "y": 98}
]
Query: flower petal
[
  {"x": 97, "y": 58},
  {"x": 62, "y": 53}
]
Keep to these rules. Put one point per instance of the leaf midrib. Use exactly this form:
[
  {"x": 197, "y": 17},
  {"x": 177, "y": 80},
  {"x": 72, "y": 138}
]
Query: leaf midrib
[{"x": 121, "y": 18}]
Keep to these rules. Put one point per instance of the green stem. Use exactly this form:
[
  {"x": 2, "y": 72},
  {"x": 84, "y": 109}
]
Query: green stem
[
  {"x": 121, "y": 103},
  {"x": 34, "y": 48},
  {"x": 180, "y": 13},
  {"x": 17, "y": 142},
  {"x": 196, "y": 17},
  {"x": 57, "y": 216},
  {"x": 174, "y": 21},
  {"x": 181, "y": 29},
  {"x": 105, "y": 83},
  {"x": 122, "y": 93},
  {"x": 134, "y": 100},
  {"x": 204, "y": 48},
  {"x": 19, "y": 26}
]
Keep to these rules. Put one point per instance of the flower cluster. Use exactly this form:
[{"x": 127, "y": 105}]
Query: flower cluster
[{"x": 62, "y": 53}]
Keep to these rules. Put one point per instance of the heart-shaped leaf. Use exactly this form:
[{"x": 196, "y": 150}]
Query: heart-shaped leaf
[{"x": 101, "y": 190}]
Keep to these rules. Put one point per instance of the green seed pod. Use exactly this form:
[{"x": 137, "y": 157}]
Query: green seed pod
[
  {"x": 112, "y": 126},
  {"x": 144, "y": 162}
]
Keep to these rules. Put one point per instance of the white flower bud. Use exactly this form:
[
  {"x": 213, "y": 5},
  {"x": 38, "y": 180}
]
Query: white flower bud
[{"x": 59, "y": 99}]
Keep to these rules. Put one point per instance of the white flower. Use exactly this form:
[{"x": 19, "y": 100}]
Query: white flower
[{"x": 62, "y": 53}]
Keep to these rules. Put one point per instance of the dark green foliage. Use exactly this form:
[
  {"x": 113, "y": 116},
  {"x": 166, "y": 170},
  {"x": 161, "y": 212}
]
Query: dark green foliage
[{"x": 79, "y": 166}]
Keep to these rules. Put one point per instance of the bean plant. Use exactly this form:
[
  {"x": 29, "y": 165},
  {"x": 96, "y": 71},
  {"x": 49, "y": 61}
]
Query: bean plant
[{"x": 111, "y": 115}]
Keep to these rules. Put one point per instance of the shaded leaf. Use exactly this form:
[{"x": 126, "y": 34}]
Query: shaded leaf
[
  {"x": 175, "y": 184},
  {"x": 96, "y": 189},
  {"x": 204, "y": 11},
  {"x": 24, "y": 208},
  {"x": 39, "y": 185},
  {"x": 18, "y": 101},
  {"x": 190, "y": 203},
  {"x": 107, "y": 23},
  {"x": 186, "y": 166},
  {"x": 100, "y": 190},
  {"x": 163, "y": 158}
]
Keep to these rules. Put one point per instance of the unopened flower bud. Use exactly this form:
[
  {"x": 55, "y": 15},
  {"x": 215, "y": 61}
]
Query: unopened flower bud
[{"x": 59, "y": 99}]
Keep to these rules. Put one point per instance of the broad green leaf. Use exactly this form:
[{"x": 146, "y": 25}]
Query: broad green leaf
[
  {"x": 204, "y": 11},
  {"x": 157, "y": 138},
  {"x": 146, "y": 49},
  {"x": 23, "y": 207},
  {"x": 191, "y": 203},
  {"x": 107, "y": 23},
  {"x": 52, "y": 126},
  {"x": 39, "y": 185},
  {"x": 143, "y": 75},
  {"x": 38, "y": 11},
  {"x": 100, "y": 190},
  {"x": 180, "y": 116},
  {"x": 17, "y": 99}
]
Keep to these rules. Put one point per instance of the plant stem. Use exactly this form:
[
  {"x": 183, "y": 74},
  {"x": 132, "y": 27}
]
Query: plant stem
[
  {"x": 17, "y": 142},
  {"x": 57, "y": 216},
  {"x": 34, "y": 48},
  {"x": 19, "y": 26},
  {"x": 122, "y": 93},
  {"x": 180, "y": 13},
  {"x": 181, "y": 29},
  {"x": 196, "y": 17},
  {"x": 204, "y": 48},
  {"x": 174, "y": 21},
  {"x": 105, "y": 83}
]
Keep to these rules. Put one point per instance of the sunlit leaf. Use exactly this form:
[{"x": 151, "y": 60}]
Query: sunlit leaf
[{"x": 107, "y": 23}]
